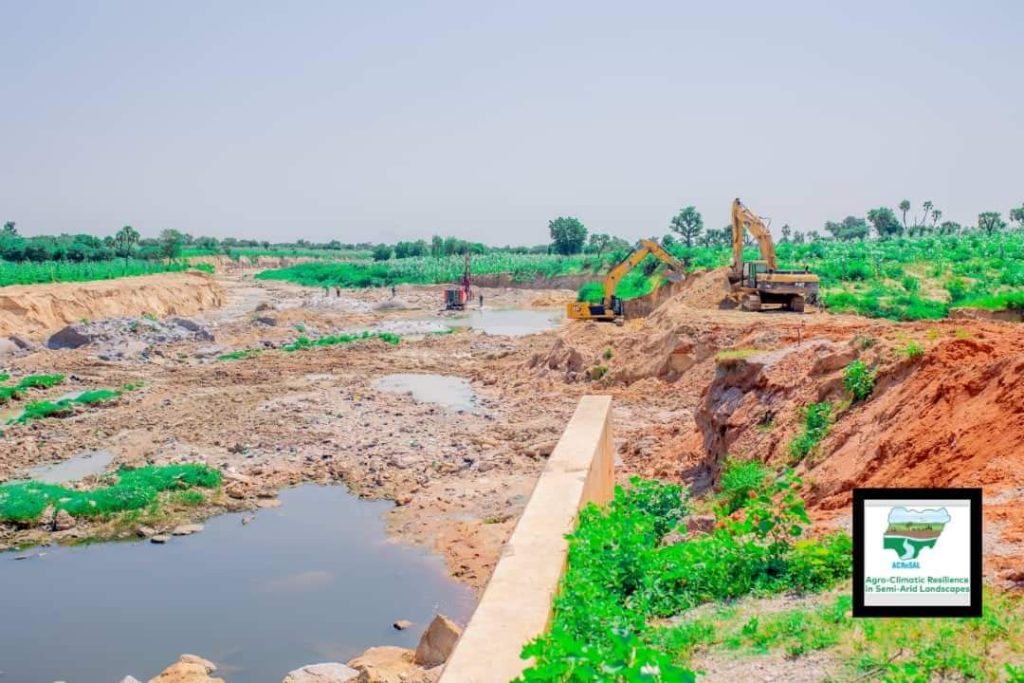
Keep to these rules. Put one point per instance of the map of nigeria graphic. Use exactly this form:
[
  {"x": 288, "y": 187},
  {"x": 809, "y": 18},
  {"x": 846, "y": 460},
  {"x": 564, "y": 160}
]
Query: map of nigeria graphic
[{"x": 910, "y": 531}]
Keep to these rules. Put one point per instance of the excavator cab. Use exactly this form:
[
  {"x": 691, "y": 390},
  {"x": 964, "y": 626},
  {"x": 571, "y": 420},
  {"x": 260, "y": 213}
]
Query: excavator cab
[{"x": 751, "y": 269}]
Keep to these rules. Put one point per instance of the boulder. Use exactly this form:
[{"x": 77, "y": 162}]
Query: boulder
[
  {"x": 267, "y": 320},
  {"x": 188, "y": 669},
  {"x": 8, "y": 348},
  {"x": 63, "y": 521},
  {"x": 401, "y": 624},
  {"x": 198, "y": 331},
  {"x": 23, "y": 344},
  {"x": 387, "y": 664},
  {"x": 159, "y": 538},
  {"x": 186, "y": 529},
  {"x": 71, "y": 337},
  {"x": 331, "y": 672},
  {"x": 437, "y": 642}
]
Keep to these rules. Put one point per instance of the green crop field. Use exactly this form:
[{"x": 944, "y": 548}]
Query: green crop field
[
  {"x": 285, "y": 252},
  {"x": 426, "y": 270},
  {"x": 34, "y": 272}
]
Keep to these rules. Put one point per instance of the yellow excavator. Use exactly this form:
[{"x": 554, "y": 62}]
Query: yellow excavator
[
  {"x": 610, "y": 308},
  {"x": 755, "y": 283}
]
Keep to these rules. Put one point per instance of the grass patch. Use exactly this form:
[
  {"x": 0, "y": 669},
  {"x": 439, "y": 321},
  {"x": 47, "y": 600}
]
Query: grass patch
[
  {"x": 620, "y": 578},
  {"x": 896, "y": 650},
  {"x": 337, "y": 339},
  {"x": 240, "y": 355},
  {"x": 16, "y": 391},
  {"x": 37, "y": 410},
  {"x": 859, "y": 380},
  {"x": 731, "y": 356},
  {"x": 817, "y": 418},
  {"x": 996, "y": 302},
  {"x": 912, "y": 350},
  {"x": 128, "y": 490}
]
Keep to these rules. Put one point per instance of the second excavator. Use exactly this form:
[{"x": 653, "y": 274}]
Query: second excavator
[
  {"x": 755, "y": 283},
  {"x": 610, "y": 308}
]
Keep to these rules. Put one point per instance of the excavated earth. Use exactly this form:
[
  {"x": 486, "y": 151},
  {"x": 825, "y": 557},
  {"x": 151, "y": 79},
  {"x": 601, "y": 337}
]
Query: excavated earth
[{"x": 953, "y": 416}]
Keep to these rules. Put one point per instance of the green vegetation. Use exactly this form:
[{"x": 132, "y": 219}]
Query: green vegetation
[
  {"x": 598, "y": 371},
  {"x": 240, "y": 355},
  {"x": 817, "y": 418},
  {"x": 739, "y": 480},
  {"x": 10, "y": 393},
  {"x": 859, "y": 380},
  {"x": 127, "y": 490},
  {"x": 37, "y": 410},
  {"x": 334, "y": 340},
  {"x": 894, "y": 650},
  {"x": 912, "y": 350},
  {"x": 620, "y": 578},
  {"x": 731, "y": 356},
  {"x": 427, "y": 270},
  {"x": 28, "y": 273}
]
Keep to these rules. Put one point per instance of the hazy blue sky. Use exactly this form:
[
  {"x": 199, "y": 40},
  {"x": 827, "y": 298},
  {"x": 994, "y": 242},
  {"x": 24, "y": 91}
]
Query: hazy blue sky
[{"x": 384, "y": 120}]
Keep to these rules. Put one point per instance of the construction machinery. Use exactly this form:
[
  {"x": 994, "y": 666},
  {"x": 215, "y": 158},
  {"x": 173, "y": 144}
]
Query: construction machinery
[
  {"x": 755, "y": 283},
  {"x": 610, "y": 308},
  {"x": 456, "y": 298}
]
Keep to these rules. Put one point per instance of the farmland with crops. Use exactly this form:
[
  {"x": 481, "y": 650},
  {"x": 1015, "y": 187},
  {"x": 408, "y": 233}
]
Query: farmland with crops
[{"x": 29, "y": 272}]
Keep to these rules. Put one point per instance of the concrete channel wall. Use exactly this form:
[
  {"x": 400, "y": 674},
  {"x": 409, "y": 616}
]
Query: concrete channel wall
[{"x": 516, "y": 605}]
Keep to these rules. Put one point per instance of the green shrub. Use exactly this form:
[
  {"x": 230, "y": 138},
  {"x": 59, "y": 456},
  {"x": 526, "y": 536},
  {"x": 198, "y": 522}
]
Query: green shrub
[
  {"x": 817, "y": 419},
  {"x": 912, "y": 350},
  {"x": 739, "y": 480},
  {"x": 133, "y": 489},
  {"x": 620, "y": 578},
  {"x": 859, "y": 380},
  {"x": 598, "y": 371}
]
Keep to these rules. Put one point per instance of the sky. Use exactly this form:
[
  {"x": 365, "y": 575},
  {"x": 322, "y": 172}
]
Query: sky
[{"x": 363, "y": 121}]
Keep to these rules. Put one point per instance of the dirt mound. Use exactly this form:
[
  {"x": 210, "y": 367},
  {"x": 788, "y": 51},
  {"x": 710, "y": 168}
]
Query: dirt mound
[
  {"x": 36, "y": 309},
  {"x": 703, "y": 289},
  {"x": 955, "y": 418}
]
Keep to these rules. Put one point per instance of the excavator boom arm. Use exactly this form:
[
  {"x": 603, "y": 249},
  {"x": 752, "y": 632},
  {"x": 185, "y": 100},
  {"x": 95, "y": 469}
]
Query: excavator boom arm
[
  {"x": 744, "y": 219},
  {"x": 639, "y": 253}
]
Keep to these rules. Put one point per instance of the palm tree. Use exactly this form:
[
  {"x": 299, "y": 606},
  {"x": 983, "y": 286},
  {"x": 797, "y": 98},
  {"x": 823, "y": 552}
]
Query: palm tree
[
  {"x": 126, "y": 238},
  {"x": 904, "y": 207},
  {"x": 927, "y": 206},
  {"x": 936, "y": 215}
]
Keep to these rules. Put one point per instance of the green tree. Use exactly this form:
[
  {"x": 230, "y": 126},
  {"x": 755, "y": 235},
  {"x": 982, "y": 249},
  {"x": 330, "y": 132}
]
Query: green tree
[
  {"x": 688, "y": 224},
  {"x": 927, "y": 206},
  {"x": 599, "y": 242},
  {"x": 1017, "y": 216},
  {"x": 904, "y": 207},
  {"x": 852, "y": 228},
  {"x": 568, "y": 235},
  {"x": 936, "y": 215},
  {"x": 11, "y": 231},
  {"x": 787, "y": 233},
  {"x": 126, "y": 239},
  {"x": 170, "y": 243},
  {"x": 949, "y": 228},
  {"x": 382, "y": 252},
  {"x": 883, "y": 220},
  {"x": 990, "y": 222}
]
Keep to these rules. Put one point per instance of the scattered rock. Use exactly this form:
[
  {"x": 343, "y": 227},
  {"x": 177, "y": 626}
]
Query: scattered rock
[
  {"x": 159, "y": 538},
  {"x": 265, "y": 306},
  {"x": 23, "y": 344},
  {"x": 188, "y": 669},
  {"x": 145, "y": 532},
  {"x": 267, "y": 320},
  {"x": 198, "y": 331},
  {"x": 386, "y": 664},
  {"x": 331, "y": 672},
  {"x": 268, "y": 503},
  {"x": 63, "y": 521},
  {"x": 71, "y": 337},
  {"x": 437, "y": 642},
  {"x": 186, "y": 529},
  {"x": 401, "y": 624},
  {"x": 209, "y": 351},
  {"x": 703, "y": 524}
]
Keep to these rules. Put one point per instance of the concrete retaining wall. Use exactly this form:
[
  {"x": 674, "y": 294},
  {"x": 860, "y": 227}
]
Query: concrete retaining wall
[{"x": 516, "y": 605}]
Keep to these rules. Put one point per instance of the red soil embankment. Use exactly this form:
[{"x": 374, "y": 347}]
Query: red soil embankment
[{"x": 34, "y": 310}]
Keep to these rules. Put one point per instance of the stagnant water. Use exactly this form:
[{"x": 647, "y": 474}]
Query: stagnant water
[
  {"x": 72, "y": 469},
  {"x": 311, "y": 581},
  {"x": 510, "y": 321},
  {"x": 451, "y": 392}
]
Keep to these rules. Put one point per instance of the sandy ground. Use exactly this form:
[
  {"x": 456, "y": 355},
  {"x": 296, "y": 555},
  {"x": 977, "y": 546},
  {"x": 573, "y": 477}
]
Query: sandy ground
[{"x": 460, "y": 479}]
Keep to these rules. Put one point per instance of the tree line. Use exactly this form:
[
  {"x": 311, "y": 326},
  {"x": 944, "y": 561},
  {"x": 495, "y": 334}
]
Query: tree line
[{"x": 569, "y": 235}]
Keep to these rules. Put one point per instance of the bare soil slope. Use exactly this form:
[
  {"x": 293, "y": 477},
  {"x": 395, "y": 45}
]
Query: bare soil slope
[{"x": 34, "y": 310}]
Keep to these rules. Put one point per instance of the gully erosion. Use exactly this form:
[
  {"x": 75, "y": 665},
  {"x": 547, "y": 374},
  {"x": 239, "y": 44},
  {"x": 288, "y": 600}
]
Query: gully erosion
[{"x": 279, "y": 478}]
